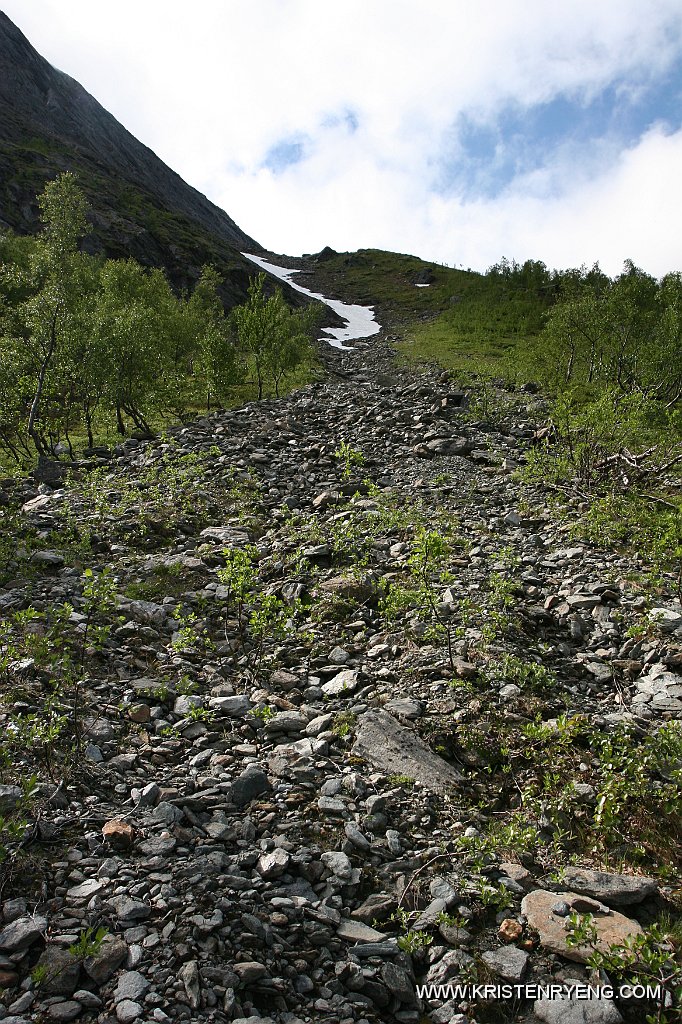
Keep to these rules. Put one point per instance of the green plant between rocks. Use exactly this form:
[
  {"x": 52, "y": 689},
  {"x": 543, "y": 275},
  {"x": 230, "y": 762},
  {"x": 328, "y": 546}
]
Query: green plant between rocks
[
  {"x": 89, "y": 943},
  {"x": 646, "y": 960},
  {"x": 349, "y": 457}
]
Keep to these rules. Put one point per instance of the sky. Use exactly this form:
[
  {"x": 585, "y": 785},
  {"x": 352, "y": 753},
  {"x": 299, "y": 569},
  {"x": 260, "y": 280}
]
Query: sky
[{"x": 456, "y": 131}]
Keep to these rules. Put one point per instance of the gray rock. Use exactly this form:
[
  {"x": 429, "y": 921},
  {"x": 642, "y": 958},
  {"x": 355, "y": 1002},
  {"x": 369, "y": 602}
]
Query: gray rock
[
  {"x": 429, "y": 916},
  {"x": 399, "y": 983},
  {"x": 158, "y": 846},
  {"x": 508, "y": 961},
  {"x": 441, "y": 889},
  {"x": 286, "y": 721},
  {"x": 22, "y": 933},
  {"x": 147, "y": 796},
  {"x": 69, "y": 1009},
  {"x": 48, "y": 559},
  {"x": 62, "y": 971},
  {"x": 14, "y": 908},
  {"x": 249, "y": 971},
  {"x": 405, "y": 707},
  {"x": 85, "y": 890},
  {"x": 667, "y": 620},
  {"x": 189, "y": 976},
  {"x": 255, "y": 1020},
  {"x": 377, "y": 906},
  {"x": 87, "y": 999},
  {"x": 393, "y": 842},
  {"x": 24, "y": 1002},
  {"x": 101, "y": 729},
  {"x": 186, "y": 702},
  {"x": 445, "y": 1014},
  {"x": 355, "y": 931},
  {"x": 367, "y": 950},
  {"x": 338, "y": 863},
  {"x": 10, "y": 797},
  {"x": 250, "y": 784},
  {"x": 574, "y": 1011},
  {"x": 228, "y": 536},
  {"x": 356, "y": 837},
  {"x": 273, "y": 864},
  {"x": 127, "y": 1011},
  {"x": 319, "y": 724},
  {"x": 329, "y": 805},
  {"x": 166, "y": 812},
  {"x": 236, "y": 706},
  {"x": 449, "y": 967},
  {"x": 107, "y": 960},
  {"x": 395, "y": 749},
  {"x": 612, "y": 928},
  {"x": 128, "y": 909},
  {"x": 338, "y": 656},
  {"x": 146, "y": 612},
  {"x": 131, "y": 985},
  {"x": 342, "y": 684},
  {"x": 659, "y": 691},
  {"x": 614, "y": 890}
]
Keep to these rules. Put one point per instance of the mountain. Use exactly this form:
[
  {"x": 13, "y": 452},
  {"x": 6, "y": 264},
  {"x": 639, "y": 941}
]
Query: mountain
[{"x": 140, "y": 207}]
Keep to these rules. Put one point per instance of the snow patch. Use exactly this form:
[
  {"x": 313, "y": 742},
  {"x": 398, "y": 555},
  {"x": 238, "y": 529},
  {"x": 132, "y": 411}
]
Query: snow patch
[{"x": 360, "y": 322}]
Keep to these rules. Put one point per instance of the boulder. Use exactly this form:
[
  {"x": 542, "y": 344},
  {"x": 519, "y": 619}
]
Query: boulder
[
  {"x": 541, "y": 910},
  {"x": 396, "y": 749}
]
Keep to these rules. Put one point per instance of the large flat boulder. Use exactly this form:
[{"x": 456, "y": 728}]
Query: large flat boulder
[
  {"x": 614, "y": 890},
  {"x": 541, "y": 908},
  {"x": 397, "y": 750}
]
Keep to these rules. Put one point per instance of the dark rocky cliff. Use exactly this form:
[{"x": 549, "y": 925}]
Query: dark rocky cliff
[{"x": 140, "y": 207}]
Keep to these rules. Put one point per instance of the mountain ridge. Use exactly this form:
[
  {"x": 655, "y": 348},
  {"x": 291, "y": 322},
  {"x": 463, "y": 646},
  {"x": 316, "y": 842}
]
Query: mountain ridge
[{"x": 140, "y": 207}]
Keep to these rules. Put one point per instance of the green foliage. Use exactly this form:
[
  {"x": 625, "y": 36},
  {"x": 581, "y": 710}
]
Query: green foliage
[
  {"x": 647, "y": 959},
  {"x": 199, "y": 714},
  {"x": 39, "y": 975},
  {"x": 624, "y": 334},
  {"x": 262, "y": 618},
  {"x": 191, "y": 634},
  {"x": 264, "y": 713},
  {"x": 55, "y": 643},
  {"x": 343, "y": 724},
  {"x": 414, "y": 941},
  {"x": 147, "y": 506},
  {"x": 596, "y": 440},
  {"x": 239, "y": 575},
  {"x": 526, "y": 674},
  {"x": 349, "y": 457},
  {"x": 653, "y": 529},
  {"x": 14, "y": 822},
  {"x": 627, "y": 810},
  {"x": 86, "y": 342},
  {"x": 42, "y": 327},
  {"x": 612, "y": 353},
  {"x": 276, "y": 339},
  {"x": 492, "y": 897},
  {"x": 406, "y": 781},
  {"x": 89, "y": 943}
]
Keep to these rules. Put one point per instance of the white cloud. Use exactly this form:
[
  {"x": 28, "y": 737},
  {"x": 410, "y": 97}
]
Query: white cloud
[{"x": 213, "y": 87}]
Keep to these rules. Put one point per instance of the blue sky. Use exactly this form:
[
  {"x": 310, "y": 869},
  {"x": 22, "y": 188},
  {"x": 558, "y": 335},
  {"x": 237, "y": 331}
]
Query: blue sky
[
  {"x": 458, "y": 132},
  {"x": 485, "y": 156}
]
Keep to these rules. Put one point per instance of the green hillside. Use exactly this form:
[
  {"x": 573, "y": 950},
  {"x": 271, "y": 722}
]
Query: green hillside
[{"x": 460, "y": 319}]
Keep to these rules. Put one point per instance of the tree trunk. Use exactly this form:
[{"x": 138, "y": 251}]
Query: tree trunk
[
  {"x": 35, "y": 404},
  {"x": 88, "y": 424}
]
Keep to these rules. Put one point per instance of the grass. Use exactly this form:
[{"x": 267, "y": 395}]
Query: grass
[
  {"x": 476, "y": 336},
  {"x": 464, "y": 321}
]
